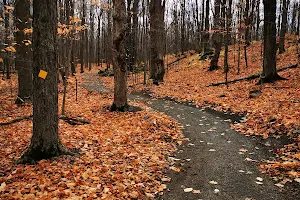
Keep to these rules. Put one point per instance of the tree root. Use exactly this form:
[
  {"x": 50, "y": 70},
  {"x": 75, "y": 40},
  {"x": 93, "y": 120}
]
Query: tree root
[
  {"x": 270, "y": 79},
  {"x": 32, "y": 156},
  {"x": 253, "y": 76}
]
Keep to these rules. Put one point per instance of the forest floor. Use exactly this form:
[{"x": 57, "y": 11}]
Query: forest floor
[
  {"x": 122, "y": 155},
  {"x": 274, "y": 116},
  {"x": 215, "y": 162}
]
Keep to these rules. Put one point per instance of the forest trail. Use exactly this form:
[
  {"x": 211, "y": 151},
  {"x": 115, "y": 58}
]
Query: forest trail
[{"x": 216, "y": 160}]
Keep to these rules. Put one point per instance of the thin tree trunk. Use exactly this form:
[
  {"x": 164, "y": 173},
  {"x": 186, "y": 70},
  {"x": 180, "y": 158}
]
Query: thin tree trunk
[
  {"x": 24, "y": 54},
  {"x": 216, "y": 37},
  {"x": 285, "y": 4}
]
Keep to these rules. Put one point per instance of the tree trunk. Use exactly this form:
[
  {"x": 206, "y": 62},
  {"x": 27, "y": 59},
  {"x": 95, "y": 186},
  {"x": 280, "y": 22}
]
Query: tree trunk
[
  {"x": 135, "y": 31},
  {"x": 206, "y": 28},
  {"x": 257, "y": 20},
  {"x": 6, "y": 40},
  {"x": 24, "y": 54},
  {"x": 119, "y": 56},
  {"x": 183, "y": 13},
  {"x": 283, "y": 25},
  {"x": 44, "y": 142},
  {"x": 82, "y": 38},
  {"x": 269, "y": 63},
  {"x": 157, "y": 68},
  {"x": 217, "y": 43}
]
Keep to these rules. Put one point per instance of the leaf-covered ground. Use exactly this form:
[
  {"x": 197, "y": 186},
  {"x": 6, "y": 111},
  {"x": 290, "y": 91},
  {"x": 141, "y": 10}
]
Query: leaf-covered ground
[
  {"x": 123, "y": 155},
  {"x": 275, "y": 113}
]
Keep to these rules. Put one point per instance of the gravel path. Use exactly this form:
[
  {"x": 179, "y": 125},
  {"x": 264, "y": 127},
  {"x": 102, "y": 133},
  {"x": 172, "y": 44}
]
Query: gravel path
[{"x": 216, "y": 160}]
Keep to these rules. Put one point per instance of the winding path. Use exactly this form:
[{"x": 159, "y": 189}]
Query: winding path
[{"x": 216, "y": 160}]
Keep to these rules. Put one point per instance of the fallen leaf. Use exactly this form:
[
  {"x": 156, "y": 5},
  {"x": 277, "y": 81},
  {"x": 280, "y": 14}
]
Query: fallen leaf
[
  {"x": 213, "y": 182},
  {"x": 2, "y": 186},
  {"x": 188, "y": 189},
  {"x": 216, "y": 191},
  {"x": 175, "y": 169},
  {"x": 259, "y": 179},
  {"x": 196, "y": 191}
]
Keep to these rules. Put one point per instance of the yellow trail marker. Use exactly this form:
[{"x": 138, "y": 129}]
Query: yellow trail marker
[{"x": 43, "y": 74}]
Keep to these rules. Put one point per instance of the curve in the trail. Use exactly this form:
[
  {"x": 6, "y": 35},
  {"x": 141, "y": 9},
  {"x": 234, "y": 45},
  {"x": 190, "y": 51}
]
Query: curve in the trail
[{"x": 216, "y": 160}]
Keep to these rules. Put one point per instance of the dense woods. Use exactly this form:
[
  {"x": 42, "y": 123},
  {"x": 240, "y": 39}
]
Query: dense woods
[{"x": 73, "y": 67}]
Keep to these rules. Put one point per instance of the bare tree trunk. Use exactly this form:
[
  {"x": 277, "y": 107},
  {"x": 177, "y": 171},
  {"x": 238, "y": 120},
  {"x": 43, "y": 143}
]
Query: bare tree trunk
[
  {"x": 135, "y": 24},
  {"x": 183, "y": 13},
  {"x": 257, "y": 20},
  {"x": 119, "y": 56},
  {"x": 6, "y": 40},
  {"x": 285, "y": 4},
  {"x": 24, "y": 54},
  {"x": 294, "y": 15},
  {"x": 45, "y": 141},
  {"x": 157, "y": 68},
  {"x": 206, "y": 34},
  {"x": 269, "y": 64},
  {"x": 217, "y": 43},
  {"x": 82, "y": 38},
  {"x": 228, "y": 19}
]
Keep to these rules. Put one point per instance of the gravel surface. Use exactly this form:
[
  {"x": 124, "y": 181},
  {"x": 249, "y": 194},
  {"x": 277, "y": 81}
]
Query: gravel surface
[{"x": 216, "y": 161}]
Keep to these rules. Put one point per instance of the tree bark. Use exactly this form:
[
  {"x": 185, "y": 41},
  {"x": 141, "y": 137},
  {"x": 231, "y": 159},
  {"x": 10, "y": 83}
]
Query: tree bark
[
  {"x": 206, "y": 28},
  {"x": 157, "y": 68},
  {"x": 269, "y": 63},
  {"x": 45, "y": 141},
  {"x": 283, "y": 25},
  {"x": 119, "y": 56},
  {"x": 216, "y": 38},
  {"x": 24, "y": 54},
  {"x": 82, "y": 38},
  {"x": 6, "y": 40},
  {"x": 257, "y": 20}
]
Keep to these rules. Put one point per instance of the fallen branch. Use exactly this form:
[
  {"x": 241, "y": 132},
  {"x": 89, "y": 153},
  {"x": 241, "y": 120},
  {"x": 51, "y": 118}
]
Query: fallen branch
[
  {"x": 251, "y": 77},
  {"x": 16, "y": 120},
  {"x": 74, "y": 121},
  {"x": 177, "y": 60},
  {"x": 70, "y": 120}
]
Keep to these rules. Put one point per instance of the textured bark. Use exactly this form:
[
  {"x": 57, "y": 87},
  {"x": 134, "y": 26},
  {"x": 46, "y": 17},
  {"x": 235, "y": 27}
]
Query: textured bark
[
  {"x": 269, "y": 63},
  {"x": 176, "y": 30},
  {"x": 257, "y": 20},
  {"x": 82, "y": 38},
  {"x": 294, "y": 16},
  {"x": 206, "y": 28},
  {"x": 216, "y": 39},
  {"x": 24, "y": 54},
  {"x": 135, "y": 24},
  {"x": 157, "y": 13},
  {"x": 44, "y": 142},
  {"x": 6, "y": 40},
  {"x": 119, "y": 56},
  {"x": 283, "y": 25},
  {"x": 183, "y": 13}
]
